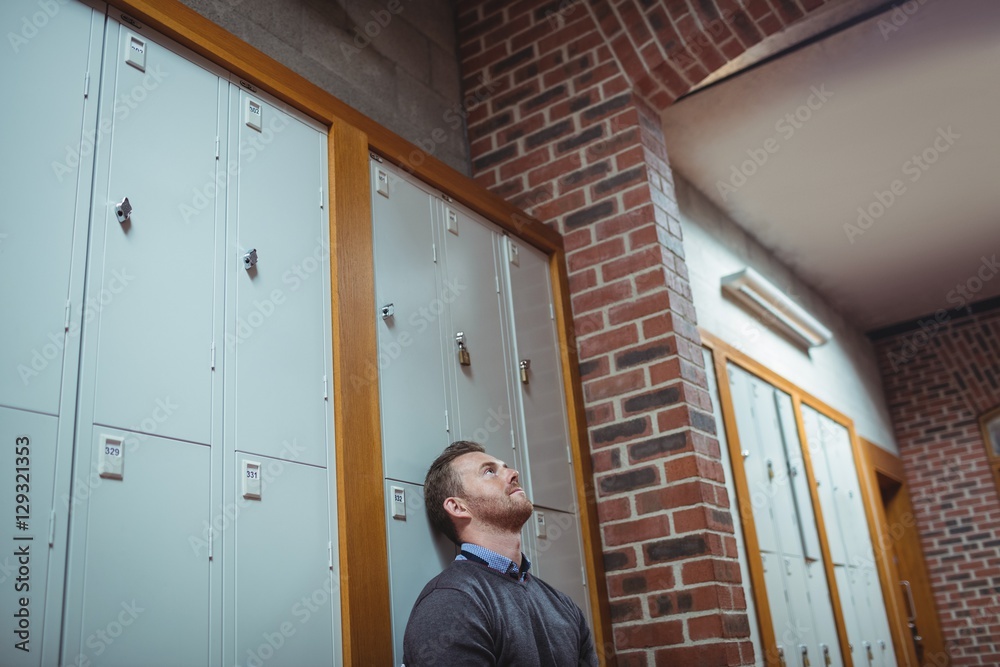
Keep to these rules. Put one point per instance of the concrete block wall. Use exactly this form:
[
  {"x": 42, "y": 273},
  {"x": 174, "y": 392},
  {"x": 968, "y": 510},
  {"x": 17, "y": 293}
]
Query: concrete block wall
[
  {"x": 571, "y": 133},
  {"x": 940, "y": 377},
  {"x": 394, "y": 61}
]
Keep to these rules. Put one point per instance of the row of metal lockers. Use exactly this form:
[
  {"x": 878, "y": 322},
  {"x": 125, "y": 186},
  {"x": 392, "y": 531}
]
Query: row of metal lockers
[
  {"x": 797, "y": 591},
  {"x": 166, "y": 373}
]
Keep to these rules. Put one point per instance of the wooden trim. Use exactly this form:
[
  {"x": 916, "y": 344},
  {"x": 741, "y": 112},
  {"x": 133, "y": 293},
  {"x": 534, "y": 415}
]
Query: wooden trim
[
  {"x": 364, "y": 563},
  {"x": 994, "y": 459},
  {"x": 882, "y": 462},
  {"x": 744, "y": 506},
  {"x": 586, "y": 494}
]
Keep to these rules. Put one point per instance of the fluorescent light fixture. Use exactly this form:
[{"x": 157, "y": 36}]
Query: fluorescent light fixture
[{"x": 754, "y": 291}]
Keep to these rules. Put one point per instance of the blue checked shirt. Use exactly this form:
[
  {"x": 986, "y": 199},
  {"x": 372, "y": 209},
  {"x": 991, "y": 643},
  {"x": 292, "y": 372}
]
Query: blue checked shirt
[{"x": 495, "y": 561}]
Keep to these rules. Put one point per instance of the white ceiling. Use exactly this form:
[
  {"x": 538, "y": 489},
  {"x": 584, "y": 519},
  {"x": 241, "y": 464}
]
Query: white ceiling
[{"x": 892, "y": 93}]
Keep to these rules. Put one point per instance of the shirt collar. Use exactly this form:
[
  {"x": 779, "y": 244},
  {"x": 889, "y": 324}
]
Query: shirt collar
[{"x": 495, "y": 561}]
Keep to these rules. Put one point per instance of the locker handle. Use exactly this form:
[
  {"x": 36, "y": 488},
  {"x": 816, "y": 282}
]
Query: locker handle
[
  {"x": 805, "y": 655},
  {"x": 524, "y": 365},
  {"x": 826, "y": 655},
  {"x": 911, "y": 607},
  {"x": 123, "y": 211}
]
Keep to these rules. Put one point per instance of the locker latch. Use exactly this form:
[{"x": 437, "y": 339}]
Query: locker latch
[
  {"x": 250, "y": 259},
  {"x": 826, "y": 655},
  {"x": 463, "y": 353},
  {"x": 868, "y": 652},
  {"x": 387, "y": 311},
  {"x": 770, "y": 469},
  {"x": 123, "y": 210},
  {"x": 781, "y": 656},
  {"x": 525, "y": 365},
  {"x": 805, "y": 655}
]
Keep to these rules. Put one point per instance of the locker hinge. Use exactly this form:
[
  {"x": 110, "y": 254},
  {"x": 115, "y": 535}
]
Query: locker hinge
[
  {"x": 211, "y": 544},
  {"x": 86, "y": 85},
  {"x": 213, "y": 356},
  {"x": 583, "y": 575},
  {"x": 447, "y": 425},
  {"x": 434, "y": 252},
  {"x": 513, "y": 444},
  {"x": 326, "y": 394},
  {"x": 52, "y": 528},
  {"x": 321, "y": 197},
  {"x": 216, "y": 147},
  {"x": 329, "y": 554},
  {"x": 569, "y": 454},
  {"x": 552, "y": 312},
  {"x": 377, "y": 158},
  {"x": 69, "y": 309},
  {"x": 496, "y": 279},
  {"x": 447, "y": 199}
]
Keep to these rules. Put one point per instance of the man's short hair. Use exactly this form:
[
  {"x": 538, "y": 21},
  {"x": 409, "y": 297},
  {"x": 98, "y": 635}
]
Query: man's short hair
[{"x": 443, "y": 482}]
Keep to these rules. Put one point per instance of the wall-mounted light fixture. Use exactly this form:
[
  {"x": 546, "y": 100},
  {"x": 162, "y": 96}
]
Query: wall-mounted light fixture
[{"x": 754, "y": 291}]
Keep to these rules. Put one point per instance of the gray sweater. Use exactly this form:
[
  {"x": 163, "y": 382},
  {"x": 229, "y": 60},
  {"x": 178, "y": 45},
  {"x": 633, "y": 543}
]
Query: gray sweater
[{"x": 472, "y": 615}]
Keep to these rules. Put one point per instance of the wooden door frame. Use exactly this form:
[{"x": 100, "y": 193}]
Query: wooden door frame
[
  {"x": 722, "y": 355},
  {"x": 364, "y": 573},
  {"x": 889, "y": 466}
]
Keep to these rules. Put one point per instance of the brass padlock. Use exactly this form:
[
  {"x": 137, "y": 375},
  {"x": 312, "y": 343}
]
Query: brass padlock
[
  {"x": 463, "y": 354},
  {"x": 805, "y": 655},
  {"x": 826, "y": 655},
  {"x": 524, "y": 366},
  {"x": 781, "y": 656}
]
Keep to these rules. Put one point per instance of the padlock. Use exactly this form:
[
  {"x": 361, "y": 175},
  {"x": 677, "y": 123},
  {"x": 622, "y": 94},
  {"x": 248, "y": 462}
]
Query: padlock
[
  {"x": 524, "y": 366},
  {"x": 463, "y": 354},
  {"x": 781, "y": 656},
  {"x": 805, "y": 655},
  {"x": 826, "y": 655}
]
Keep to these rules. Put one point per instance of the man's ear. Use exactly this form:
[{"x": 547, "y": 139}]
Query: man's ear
[{"x": 456, "y": 508}]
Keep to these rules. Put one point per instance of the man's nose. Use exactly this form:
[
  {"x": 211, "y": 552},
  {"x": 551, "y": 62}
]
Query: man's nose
[{"x": 514, "y": 476}]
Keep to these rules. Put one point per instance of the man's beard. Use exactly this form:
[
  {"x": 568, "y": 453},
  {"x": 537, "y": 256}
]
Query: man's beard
[{"x": 507, "y": 514}]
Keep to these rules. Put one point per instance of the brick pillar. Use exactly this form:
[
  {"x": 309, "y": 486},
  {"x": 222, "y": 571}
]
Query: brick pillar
[
  {"x": 566, "y": 136},
  {"x": 939, "y": 379}
]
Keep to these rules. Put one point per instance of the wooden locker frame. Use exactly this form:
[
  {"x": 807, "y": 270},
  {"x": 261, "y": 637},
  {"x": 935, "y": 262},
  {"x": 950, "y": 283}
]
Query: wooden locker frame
[
  {"x": 722, "y": 354},
  {"x": 364, "y": 576}
]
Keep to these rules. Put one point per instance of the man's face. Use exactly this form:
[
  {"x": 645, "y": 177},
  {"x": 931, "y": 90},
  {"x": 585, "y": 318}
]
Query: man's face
[{"x": 492, "y": 491}]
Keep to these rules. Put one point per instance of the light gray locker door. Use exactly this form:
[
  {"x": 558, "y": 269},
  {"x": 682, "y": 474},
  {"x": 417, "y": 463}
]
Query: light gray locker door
[
  {"x": 156, "y": 274},
  {"x": 825, "y": 485},
  {"x": 798, "y": 478},
  {"x": 754, "y": 463},
  {"x": 47, "y": 138},
  {"x": 277, "y": 340},
  {"x": 786, "y": 520},
  {"x": 145, "y": 597},
  {"x": 855, "y": 636},
  {"x": 800, "y": 606},
  {"x": 410, "y": 367},
  {"x": 822, "y": 612},
  {"x": 27, "y": 466},
  {"x": 785, "y": 628},
  {"x": 557, "y": 551},
  {"x": 541, "y": 399},
  {"x": 285, "y": 589},
  {"x": 416, "y": 555},
  {"x": 481, "y": 388}
]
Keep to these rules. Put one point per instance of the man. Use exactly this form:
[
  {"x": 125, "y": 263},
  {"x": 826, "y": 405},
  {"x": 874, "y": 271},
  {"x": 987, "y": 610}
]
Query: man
[{"x": 485, "y": 608}]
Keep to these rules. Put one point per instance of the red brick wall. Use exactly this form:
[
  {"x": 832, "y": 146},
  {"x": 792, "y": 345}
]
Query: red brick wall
[
  {"x": 939, "y": 379},
  {"x": 571, "y": 133}
]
